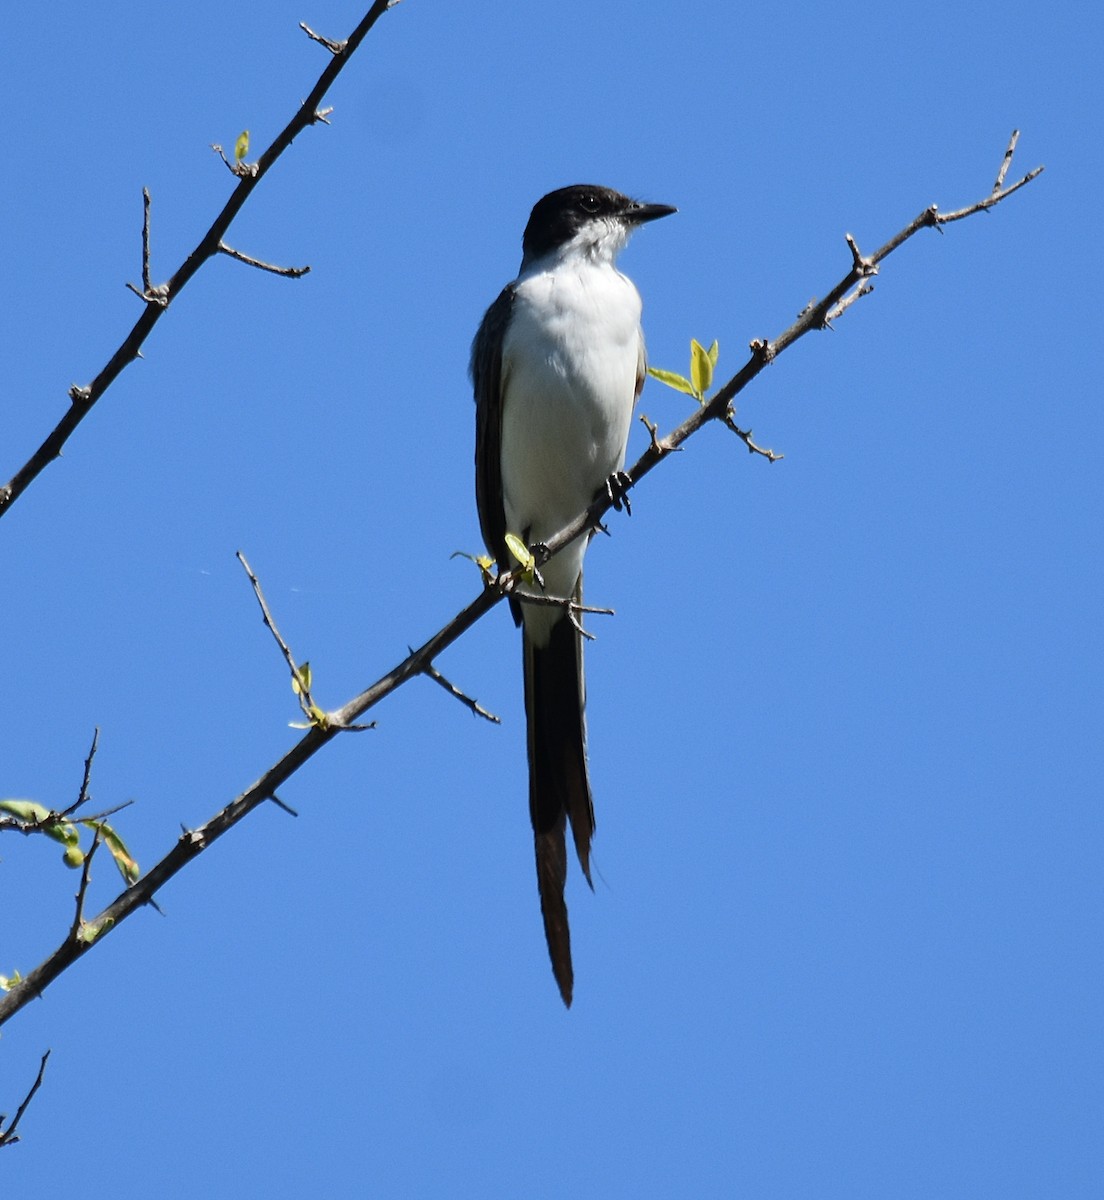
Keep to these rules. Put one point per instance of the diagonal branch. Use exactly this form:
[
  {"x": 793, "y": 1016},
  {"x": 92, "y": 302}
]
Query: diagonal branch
[
  {"x": 9, "y": 1136},
  {"x": 193, "y": 842},
  {"x": 157, "y": 299}
]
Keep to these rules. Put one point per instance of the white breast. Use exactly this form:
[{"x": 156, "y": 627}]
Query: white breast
[{"x": 569, "y": 369}]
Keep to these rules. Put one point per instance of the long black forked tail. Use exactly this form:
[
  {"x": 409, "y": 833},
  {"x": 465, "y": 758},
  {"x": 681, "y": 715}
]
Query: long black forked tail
[{"x": 559, "y": 785}]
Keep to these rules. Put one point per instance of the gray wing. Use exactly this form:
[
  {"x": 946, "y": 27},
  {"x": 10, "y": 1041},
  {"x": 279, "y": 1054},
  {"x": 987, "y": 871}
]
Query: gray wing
[{"x": 486, "y": 373}]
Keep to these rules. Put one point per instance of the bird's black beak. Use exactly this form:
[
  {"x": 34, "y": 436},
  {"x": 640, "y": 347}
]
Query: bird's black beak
[{"x": 639, "y": 213}]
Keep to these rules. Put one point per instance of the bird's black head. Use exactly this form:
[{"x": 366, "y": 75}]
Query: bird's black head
[{"x": 559, "y": 217}]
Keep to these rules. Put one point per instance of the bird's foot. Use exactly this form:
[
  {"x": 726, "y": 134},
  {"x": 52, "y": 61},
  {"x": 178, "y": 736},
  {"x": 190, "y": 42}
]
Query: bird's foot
[{"x": 617, "y": 489}]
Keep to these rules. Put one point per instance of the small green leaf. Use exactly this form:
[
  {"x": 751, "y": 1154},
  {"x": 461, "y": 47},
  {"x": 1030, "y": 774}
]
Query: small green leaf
[
  {"x": 521, "y": 552},
  {"x": 7, "y": 982},
  {"x": 62, "y": 831},
  {"x": 128, "y": 868},
  {"x": 672, "y": 379},
  {"x": 241, "y": 146},
  {"x": 33, "y": 813},
  {"x": 25, "y": 810},
  {"x": 701, "y": 368},
  {"x": 302, "y": 682}
]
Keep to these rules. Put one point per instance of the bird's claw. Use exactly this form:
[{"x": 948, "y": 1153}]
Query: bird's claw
[{"x": 617, "y": 489}]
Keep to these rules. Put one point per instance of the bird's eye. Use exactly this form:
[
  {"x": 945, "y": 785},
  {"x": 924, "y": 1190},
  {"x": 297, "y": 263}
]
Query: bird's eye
[{"x": 589, "y": 202}]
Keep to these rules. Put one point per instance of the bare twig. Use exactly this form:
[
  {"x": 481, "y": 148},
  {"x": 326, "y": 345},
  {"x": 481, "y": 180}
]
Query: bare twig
[
  {"x": 299, "y": 675},
  {"x": 85, "y": 879},
  {"x": 192, "y": 843},
  {"x": 150, "y": 294},
  {"x": 146, "y": 284},
  {"x": 477, "y": 709},
  {"x": 83, "y": 399},
  {"x": 290, "y": 272},
  {"x": 243, "y": 170},
  {"x": 299, "y": 678},
  {"x": 9, "y": 1136},
  {"x": 83, "y": 797},
  {"x": 1006, "y": 162},
  {"x": 332, "y": 46},
  {"x": 744, "y": 435},
  {"x": 53, "y": 817}
]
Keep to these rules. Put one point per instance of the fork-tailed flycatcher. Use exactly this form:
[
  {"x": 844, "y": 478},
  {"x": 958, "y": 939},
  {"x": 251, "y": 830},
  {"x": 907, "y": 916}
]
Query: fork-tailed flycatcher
[{"x": 557, "y": 365}]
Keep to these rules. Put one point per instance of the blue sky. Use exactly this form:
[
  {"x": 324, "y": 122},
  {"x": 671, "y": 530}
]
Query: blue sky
[{"x": 844, "y": 729}]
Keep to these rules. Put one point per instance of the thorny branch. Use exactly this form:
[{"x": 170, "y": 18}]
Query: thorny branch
[
  {"x": 158, "y": 298},
  {"x": 719, "y": 407}
]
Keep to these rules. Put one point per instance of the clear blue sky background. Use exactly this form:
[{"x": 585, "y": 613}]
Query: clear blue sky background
[{"x": 845, "y": 728}]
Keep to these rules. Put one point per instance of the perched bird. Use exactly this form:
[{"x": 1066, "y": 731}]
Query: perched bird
[{"x": 557, "y": 365}]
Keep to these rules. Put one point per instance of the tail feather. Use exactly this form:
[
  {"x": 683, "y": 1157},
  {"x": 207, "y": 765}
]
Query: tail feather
[
  {"x": 559, "y": 784},
  {"x": 551, "y": 877}
]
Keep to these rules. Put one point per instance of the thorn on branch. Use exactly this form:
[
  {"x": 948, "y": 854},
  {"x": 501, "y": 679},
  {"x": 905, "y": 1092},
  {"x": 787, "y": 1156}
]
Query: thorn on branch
[
  {"x": 280, "y": 804},
  {"x": 250, "y": 261}
]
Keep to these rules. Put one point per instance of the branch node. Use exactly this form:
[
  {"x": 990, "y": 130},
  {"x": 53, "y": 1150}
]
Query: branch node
[
  {"x": 860, "y": 266},
  {"x": 763, "y": 350},
  {"x": 158, "y": 295},
  {"x": 243, "y": 170}
]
